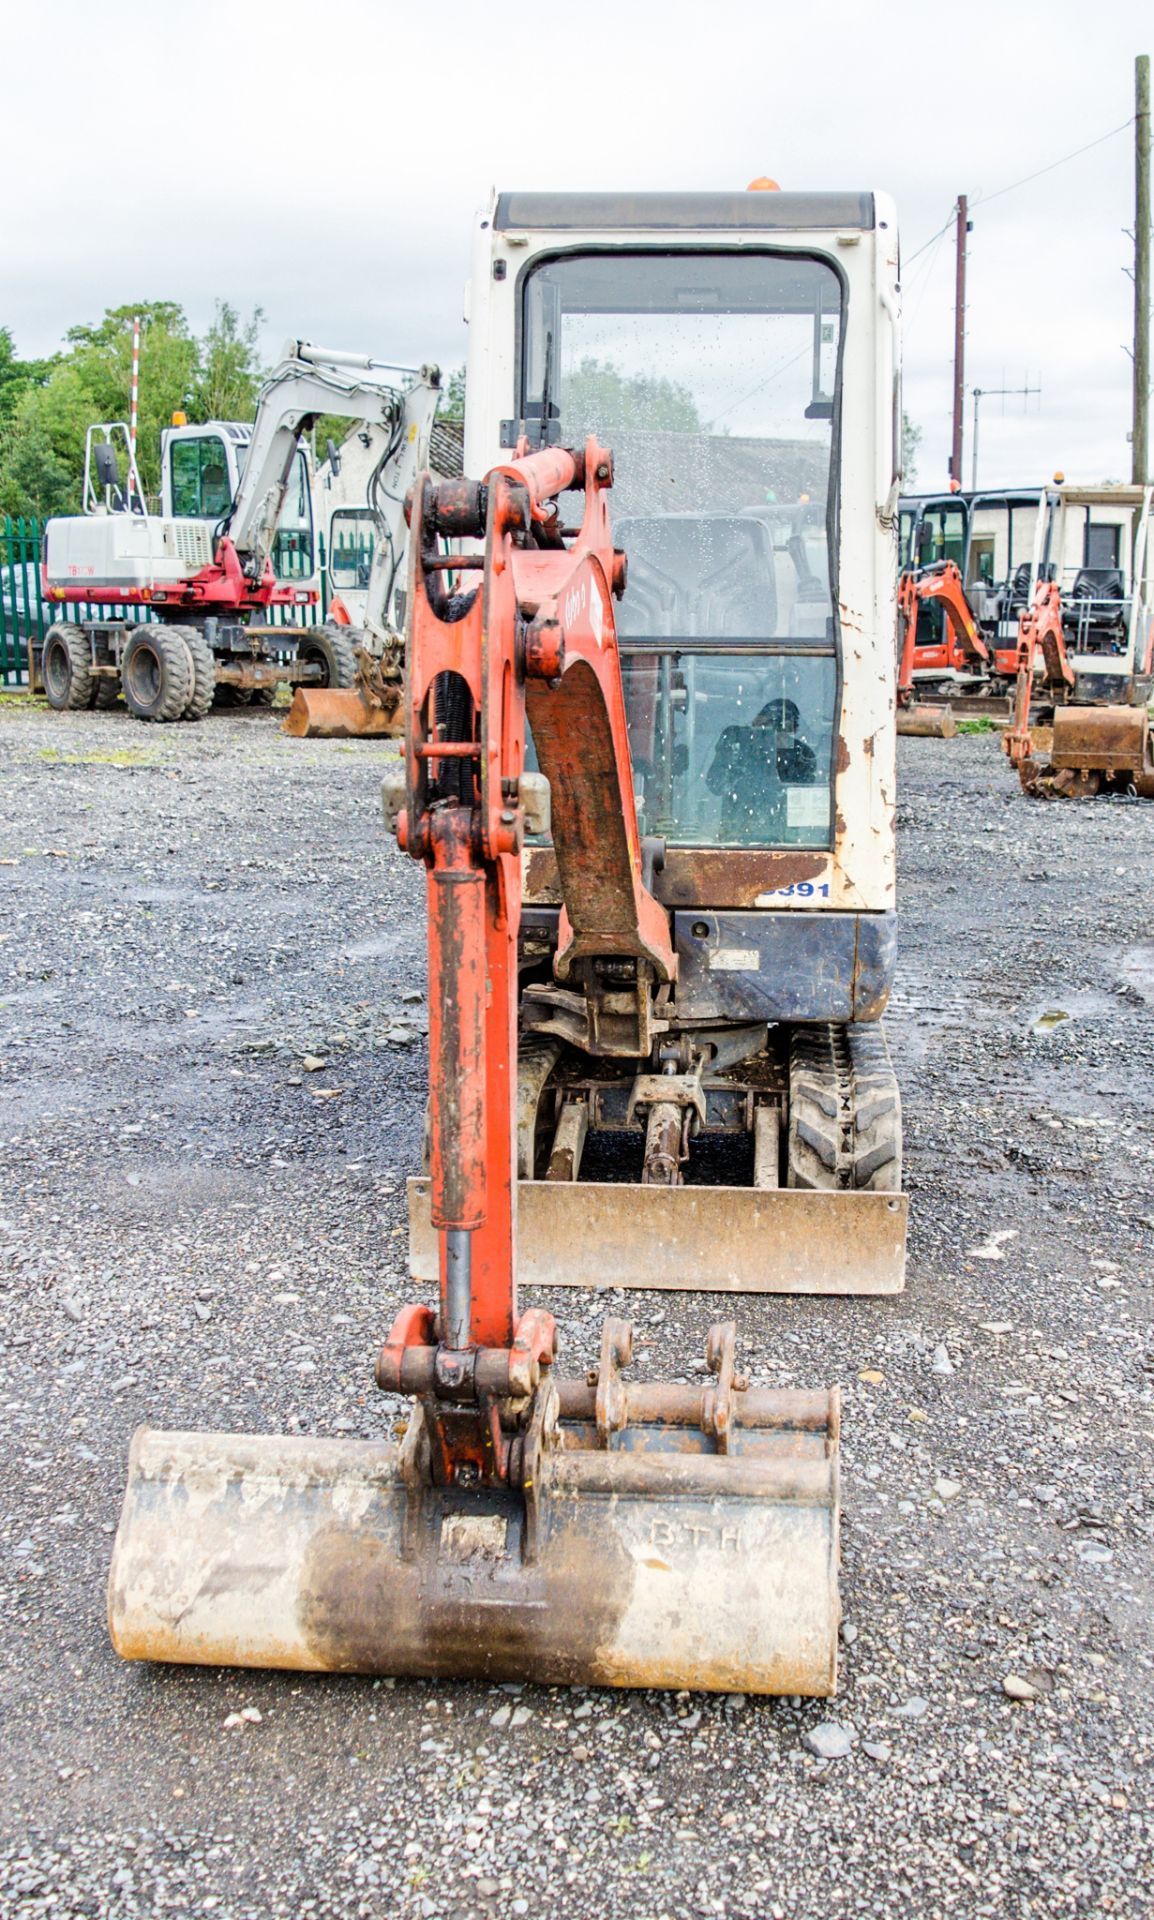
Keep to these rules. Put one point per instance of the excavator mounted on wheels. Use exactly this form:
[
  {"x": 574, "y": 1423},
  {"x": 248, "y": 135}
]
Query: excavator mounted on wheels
[
  {"x": 648, "y": 770},
  {"x": 232, "y": 542}
]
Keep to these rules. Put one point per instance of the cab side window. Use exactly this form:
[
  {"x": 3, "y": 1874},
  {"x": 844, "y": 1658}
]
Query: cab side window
[{"x": 199, "y": 469}]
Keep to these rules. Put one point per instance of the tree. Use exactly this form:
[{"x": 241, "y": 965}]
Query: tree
[
  {"x": 230, "y": 374},
  {"x": 911, "y": 441},
  {"x": 43, "y": 422},
  {"x": 16, "y": 375},
  {"x": 599, "y": 398},
  {"x": 34, "y": 480},
  {"x": 451, "y": 405}
]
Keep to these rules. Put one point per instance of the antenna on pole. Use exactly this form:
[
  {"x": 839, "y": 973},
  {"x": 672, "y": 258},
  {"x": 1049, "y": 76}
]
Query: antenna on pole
[
  {"x": 135, "y": 402},
  {"x": 133, "y": 417},
  {"x": 991, "y": 393}
]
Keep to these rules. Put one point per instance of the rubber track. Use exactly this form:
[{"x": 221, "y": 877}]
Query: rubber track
[{"x": 845, "y": 1113}]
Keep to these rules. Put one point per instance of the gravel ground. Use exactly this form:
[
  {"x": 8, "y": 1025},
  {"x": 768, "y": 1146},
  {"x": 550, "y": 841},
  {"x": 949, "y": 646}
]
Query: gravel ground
[{"x": 196, "y": 1230}]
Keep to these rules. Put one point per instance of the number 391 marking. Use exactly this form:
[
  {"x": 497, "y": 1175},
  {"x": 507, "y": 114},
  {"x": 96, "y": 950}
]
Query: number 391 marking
[{"x": 801, "y": 890}]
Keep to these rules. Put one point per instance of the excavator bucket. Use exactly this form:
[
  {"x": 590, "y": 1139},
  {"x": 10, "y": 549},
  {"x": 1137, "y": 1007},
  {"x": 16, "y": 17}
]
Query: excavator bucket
[
  {"x": 660, "y": 1536},
  {"x": 1114, "y": 741},
  {"x": 1092, "y": 750},
  {"x": 934, "y": 723},
  {"x": 339, "y": 713}
]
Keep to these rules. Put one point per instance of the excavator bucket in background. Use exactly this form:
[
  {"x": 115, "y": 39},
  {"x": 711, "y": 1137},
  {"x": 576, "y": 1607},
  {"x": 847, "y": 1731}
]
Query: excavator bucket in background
[
  {"x": 372, "y": 705},
  {"x": 1092, "y": 750},
  {"x": 934, "y": 723},
  {"x": 337, "y": 713}
]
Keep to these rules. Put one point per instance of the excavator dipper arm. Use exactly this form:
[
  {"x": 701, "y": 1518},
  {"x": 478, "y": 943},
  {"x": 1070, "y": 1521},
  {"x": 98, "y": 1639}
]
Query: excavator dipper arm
[
  {"x": 1039, "y": 629},
  {"x": 536, "y": 628},
  {"x": 938, "y": 586}
]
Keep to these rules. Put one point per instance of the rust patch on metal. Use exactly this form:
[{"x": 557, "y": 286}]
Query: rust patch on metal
[
  {"x": 487, "y": 1616},
  {"x": 1111, "y": 739},
  {"x": 698, "y": 876}
]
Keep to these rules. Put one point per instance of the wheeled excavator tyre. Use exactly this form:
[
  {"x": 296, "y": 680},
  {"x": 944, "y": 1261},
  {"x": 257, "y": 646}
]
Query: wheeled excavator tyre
[
  {"x": 226, "y": 695},
  {"x": 105, "y": 687},
  {"x": 203, "y": 668},
  {"x": 263, "y": 697},
  {"x": 156, "y": 674},
  {"x": 845, "y": 1111},
  {"x": 66, "y": 669},
  {"x": 330, "y": 648}
]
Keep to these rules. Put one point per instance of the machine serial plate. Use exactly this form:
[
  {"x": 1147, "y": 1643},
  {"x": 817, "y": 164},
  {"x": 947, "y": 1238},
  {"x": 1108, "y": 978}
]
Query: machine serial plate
[{"x": 734, "y": 960}]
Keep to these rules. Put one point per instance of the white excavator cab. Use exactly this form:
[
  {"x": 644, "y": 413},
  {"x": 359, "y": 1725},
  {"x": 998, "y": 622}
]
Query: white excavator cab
[
  {"x": 739, "y": 353},
  {"x": 201, "y": 472}
]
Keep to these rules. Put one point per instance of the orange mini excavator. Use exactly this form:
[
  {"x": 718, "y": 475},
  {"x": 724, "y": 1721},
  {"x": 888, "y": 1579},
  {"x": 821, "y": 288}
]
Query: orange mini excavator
[
  {"x": 654, "y": 803},
  {"x": 1093, "y": 749},
  {"x": 960, "y": 650}
]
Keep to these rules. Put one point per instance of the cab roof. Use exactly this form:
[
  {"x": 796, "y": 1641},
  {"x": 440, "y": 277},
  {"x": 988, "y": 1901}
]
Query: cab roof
[{"x": 685, "y": 212}]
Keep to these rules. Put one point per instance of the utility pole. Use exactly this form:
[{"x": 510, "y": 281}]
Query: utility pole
[
  {"x": 1141, "y": 435},
  {"x": 964, "y": 225},
  {"x": 992, "y": 393}
]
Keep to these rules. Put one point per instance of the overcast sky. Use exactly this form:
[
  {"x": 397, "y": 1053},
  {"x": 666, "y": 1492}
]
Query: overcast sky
[{"x": 325, "y": 162}]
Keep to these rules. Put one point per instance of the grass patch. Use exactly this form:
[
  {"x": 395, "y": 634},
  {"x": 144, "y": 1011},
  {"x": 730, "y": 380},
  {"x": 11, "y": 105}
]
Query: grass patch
[
  {"x": 976, "y": 726},
  {"x": 23, "y": 701},
  {"x": 113, "y": 757}
]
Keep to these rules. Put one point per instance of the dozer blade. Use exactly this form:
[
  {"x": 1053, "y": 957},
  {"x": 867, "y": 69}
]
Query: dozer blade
[
  {"x": 339, "y": 713},
  {"x": 934, "y": 723},
  {"x": 705, "y": 1239},
  {"x": 648, "y": 1558}
]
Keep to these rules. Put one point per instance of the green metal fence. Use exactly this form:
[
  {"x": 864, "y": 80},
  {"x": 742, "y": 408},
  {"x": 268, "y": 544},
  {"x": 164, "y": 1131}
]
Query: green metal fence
[{"x": 25, "y": 614}]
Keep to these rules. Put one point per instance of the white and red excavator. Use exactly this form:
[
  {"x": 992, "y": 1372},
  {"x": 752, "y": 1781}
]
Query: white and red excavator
[{"x": 231, "y": 546}]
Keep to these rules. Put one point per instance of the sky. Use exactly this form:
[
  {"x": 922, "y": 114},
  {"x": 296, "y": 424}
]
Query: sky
[{"x": 326, "y": 164}]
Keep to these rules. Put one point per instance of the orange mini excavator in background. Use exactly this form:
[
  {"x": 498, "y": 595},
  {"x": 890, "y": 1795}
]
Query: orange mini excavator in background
[
  {"x": 1093, "y": 749},
  {"x": 653, "y": 793},
  {"x": 961, "y": 650}
]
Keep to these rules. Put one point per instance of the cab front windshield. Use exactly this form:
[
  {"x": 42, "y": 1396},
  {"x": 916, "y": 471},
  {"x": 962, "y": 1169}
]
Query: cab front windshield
[{"x": 714, "y": 379}]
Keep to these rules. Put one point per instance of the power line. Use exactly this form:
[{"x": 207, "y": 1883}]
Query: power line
[
  {"x": 908, "y": 325},
  {"x": 984, "y": 200},
  {"x": 949, "y": 221}
]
